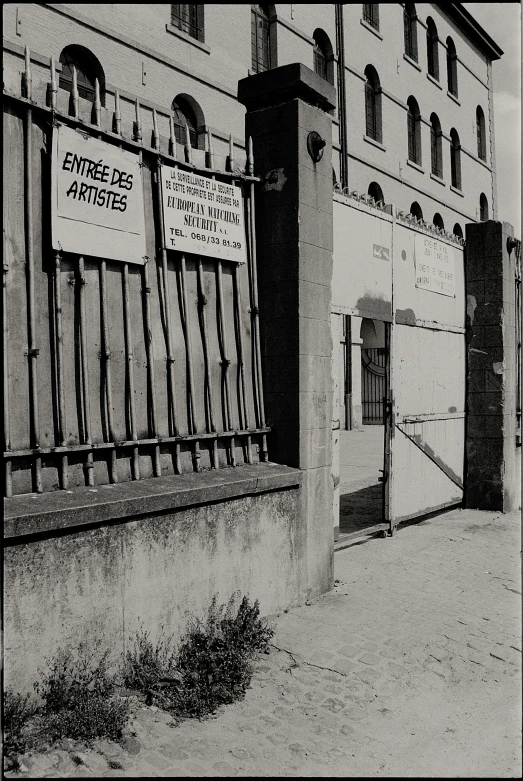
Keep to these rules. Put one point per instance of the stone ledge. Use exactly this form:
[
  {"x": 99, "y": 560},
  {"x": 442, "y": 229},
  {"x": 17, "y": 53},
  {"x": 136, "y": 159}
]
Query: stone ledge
[{"x": 44, "y": 513}]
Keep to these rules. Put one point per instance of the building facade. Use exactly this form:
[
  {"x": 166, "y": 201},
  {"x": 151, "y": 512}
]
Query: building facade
[{"x": 414, "y": 123}]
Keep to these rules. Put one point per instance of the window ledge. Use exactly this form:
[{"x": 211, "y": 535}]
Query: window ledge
[
  {"x": 371, "y": 29},
  {"x": 438, "y": 179},
  {"x": 416, "y": 166},
  {"x": 453, "y": 97},
  {"x": 187, "y": 38},
  {"x": 59, "y": 510},
  {"x": 411, "y": 62},
  {"x": 434, "y": 81},
  {"x": 455, "y": 190},
  {"x": 375, "y": 143}
]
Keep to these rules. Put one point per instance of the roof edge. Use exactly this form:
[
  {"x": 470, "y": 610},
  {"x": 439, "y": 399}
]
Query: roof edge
[{"x": 472, "y": 29}]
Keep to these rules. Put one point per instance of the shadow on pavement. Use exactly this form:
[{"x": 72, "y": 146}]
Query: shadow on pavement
[{"x": 361, "y": 509}]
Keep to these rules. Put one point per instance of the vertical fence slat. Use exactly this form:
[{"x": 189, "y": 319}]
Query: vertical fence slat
[
  {"x": 171, "y": 390},
  {"x": 107, "y": 371},
  {"x": 59, "y": 339},
  {"x": 86, "y": 408},
  {"x": 130, "y": 370},
  {"x": 146, "y": 289},
  {"x": 225, "y": 362},
  {"x": 74, "y": 93},
  {"x": 208, "y": 394},
  {"x": 32, "y": 349},
  {"x": 7, "y": 428},
  {"x": 242, "y": 405},
  {"x": 190, "y": 375}
]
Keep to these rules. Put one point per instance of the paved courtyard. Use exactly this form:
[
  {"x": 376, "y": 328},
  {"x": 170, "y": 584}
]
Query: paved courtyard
[
  {"x": 410, "y": 667},
  {"x": 361, "y": 494}
]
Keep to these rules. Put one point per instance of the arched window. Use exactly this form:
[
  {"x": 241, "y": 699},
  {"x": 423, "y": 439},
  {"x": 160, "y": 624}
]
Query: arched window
[
  {"x": 373, "y": 127},
  {"x": 455, "y": 160},
  {"x": 483, "y": 207},
  {"x": 88, "y": 69},
  {"x": 414, "y": 131},
  {"x": 376, "y": 192},
  {"x": 437, "y": 220},
  {"x": 263, "y": 58},
  {"x": 323, "y": 56},
  {"x": 480, "y": 134},
  {"x": 436, "y": 156},
  {"x": 432, "y": 49},
  {"x": 371, "y": 14},
  {"x": 410, "y": 31},
  {"x": 415, "y": 210},
  {"x": 457, "y": 230},
  {"x": 452, "y": 68},
  {"x": 187, "y": 115},
  {"x": 188, "y": 19}
]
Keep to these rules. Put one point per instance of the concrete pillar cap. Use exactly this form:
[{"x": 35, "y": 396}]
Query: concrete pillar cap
[{"x": 286, "y": 83}]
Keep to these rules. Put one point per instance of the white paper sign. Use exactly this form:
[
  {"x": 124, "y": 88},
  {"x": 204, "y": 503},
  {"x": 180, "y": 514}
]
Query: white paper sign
[
  {"x": 202, "y": 215},
  {"x": 435, "y": 265},
  {"x": 97, "y": 198}
]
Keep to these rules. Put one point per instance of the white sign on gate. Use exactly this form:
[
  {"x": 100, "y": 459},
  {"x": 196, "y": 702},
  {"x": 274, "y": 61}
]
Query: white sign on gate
[
  {"x": 97, "y": 204},
  {"x": 435, "y": 265},
  {"x": 202, "y": 215}
]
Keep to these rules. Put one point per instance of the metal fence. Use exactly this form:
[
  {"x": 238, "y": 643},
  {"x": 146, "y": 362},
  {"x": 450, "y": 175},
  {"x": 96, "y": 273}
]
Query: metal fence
[
  {"x": 373, "y": 376},
  {"x": 112, "y": 371}
]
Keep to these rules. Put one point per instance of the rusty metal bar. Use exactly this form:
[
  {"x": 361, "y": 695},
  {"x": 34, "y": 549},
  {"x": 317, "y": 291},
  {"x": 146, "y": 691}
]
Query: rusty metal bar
[
  {"x": 130, "y": 370},
  {"x": 106, "y": 358},
  {"x": 137, "y": 123},
  {"x": 74, "y": 93},
  {"x": 7, "y": 426},
  {"x": 146, "y": 289},
  {"x": 172, "y": 138},
  {"x": 132, "y": 443},
  {"x": 188, "y": 148},
  {"x": 210, "y": 150},
  {"x": 32, "y": 350},
  {"x": 171, "y": 389},
  {"x": 244, "y": 416},
  {"x": 188, "y": 348},
  {"x": 97, "y": 104},
  {"x": 59, "y": 343},
  {"x": 86, "y": 410},
  {"x": 202, "y": 303},
  {"x": 54, "y": 88},
  {"x": 255, "y": 312},
  {"x": 231, "y": 154},
  {"x": 225, "y": 362},
  {"x": 117, "y": 114}
]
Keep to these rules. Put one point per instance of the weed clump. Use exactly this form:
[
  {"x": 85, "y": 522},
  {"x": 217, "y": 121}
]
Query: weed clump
[
  {"x": 19, "y": 709},
  {"x": 213, "y": 663},
  {"x": 80, "y": 702}
]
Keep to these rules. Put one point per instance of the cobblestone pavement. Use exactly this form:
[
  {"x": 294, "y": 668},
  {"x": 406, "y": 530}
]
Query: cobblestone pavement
[{"x": 411, "y": 666}]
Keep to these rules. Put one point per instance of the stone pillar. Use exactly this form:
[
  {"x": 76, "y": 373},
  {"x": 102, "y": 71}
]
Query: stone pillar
[
  {"x": 355, "y": 368},
  {"x": 288, "y": 121},
  {"x": 493, "y": 463}
]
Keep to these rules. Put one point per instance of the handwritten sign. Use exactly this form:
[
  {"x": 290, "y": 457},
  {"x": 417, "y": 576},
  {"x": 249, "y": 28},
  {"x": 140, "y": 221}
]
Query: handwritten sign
[
  {"x": 97, "y": 198},
  {"x": 435, "y": 265},
  {"x": 202, "y": 215}
]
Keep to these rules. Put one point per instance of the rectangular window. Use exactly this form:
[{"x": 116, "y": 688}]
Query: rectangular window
[
  {"x": 260, "y": 42},
  {"x": 371, "y": 14},
  {"x": 188, "y": 19}
]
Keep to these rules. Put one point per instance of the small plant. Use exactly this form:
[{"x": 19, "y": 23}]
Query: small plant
[
  {"x": 19, "y": 709},
  {"x": 79, "y": 697},
  {"x": 213, "y": 664},
  {"x": 146, "y": 664}
]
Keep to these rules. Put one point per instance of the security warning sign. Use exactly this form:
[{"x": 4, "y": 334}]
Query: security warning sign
[
  {"x": 97, "y": 198},
  {"x": 202, "y": 215},
  {"x": 435, "y": 265}
]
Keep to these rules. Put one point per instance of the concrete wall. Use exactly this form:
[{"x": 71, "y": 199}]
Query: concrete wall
[{"x": 101, "y": 582}]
